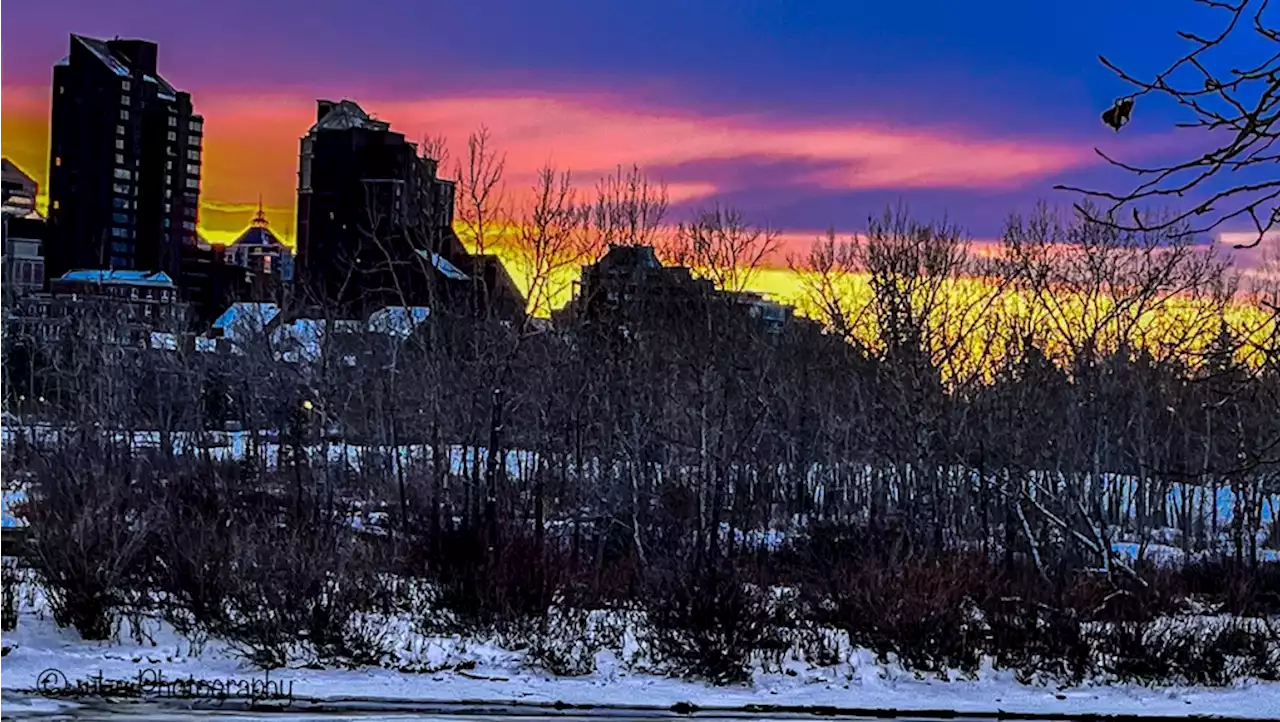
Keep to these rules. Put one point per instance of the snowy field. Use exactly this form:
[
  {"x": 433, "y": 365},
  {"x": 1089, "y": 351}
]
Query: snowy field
[{"x": 447, "y": 670}]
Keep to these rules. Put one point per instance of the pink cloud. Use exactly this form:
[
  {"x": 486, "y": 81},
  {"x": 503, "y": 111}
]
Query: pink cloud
[
  {"x": 252, "y": 143},
  {"x": 591, "y": 134}
]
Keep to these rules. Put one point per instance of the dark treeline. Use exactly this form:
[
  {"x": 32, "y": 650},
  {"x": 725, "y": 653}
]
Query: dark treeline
[{"x": 939, "y": 467}]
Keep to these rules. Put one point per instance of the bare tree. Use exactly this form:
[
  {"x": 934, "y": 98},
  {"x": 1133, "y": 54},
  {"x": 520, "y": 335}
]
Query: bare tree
[
  {"x": 721, "y": 246},
  {"x": 629, "y": 210},
  {"x": 1236, "y": 108},
  {"x": 483, "y": 201},
  {"x": 553, "y": 236}
]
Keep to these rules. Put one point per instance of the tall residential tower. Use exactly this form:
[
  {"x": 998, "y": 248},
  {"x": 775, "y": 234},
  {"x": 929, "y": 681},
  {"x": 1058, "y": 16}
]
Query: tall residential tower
[
  {"x": 366, "y": 203},
  {"x": 124, "y": 164}
]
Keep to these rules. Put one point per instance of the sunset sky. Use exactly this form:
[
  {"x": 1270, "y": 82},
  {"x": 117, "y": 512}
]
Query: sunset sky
[{"x": 802, "y": 114}]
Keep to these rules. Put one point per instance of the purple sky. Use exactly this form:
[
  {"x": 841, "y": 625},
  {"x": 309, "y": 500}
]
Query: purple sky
[{"x": 804, "y": 115}]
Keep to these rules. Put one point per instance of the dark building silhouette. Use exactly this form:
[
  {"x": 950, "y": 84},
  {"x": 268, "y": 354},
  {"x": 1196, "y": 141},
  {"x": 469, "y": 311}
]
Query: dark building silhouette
[
  {"x": 124, "y": 170},
  {"x": 133, "y": 304},
  {"x": 630, "y": 285},
  {"x": 260, "y": 250},
  {"x": 22, "y": 234},
  {"x": 23, "y": 259},
  {"x": 264, "y": 261},
  {"x": 20, "y": 189},
  {"x": 631, "y": 281},
  {"x": 366, "y": 204},
  {"x": 209, "y": 283}
]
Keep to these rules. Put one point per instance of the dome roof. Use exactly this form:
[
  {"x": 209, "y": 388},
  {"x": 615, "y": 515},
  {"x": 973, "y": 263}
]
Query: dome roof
[{"x": 258, "y": 233}]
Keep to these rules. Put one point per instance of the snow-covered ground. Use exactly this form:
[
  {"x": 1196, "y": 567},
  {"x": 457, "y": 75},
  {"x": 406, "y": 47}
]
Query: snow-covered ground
[{"x": 452, "y": 670}]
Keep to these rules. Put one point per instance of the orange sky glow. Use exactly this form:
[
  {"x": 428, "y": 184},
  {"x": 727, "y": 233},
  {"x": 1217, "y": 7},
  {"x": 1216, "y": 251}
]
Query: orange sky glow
[{"x": 251, "y": 147}]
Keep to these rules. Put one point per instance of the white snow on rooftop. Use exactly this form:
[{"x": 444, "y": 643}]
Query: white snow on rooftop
[
  {"x": 164, "y": 341},
  {"x": 242, "y": 318},
  {"x": 299, "y": 340},
  {"x": 146, "y": 278},
  {"x": 398, "y": 321},
  {"x": 443, "y": 265}
]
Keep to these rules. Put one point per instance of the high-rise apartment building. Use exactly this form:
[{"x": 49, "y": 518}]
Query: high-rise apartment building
[
  {"x": 366, "y": 203},
  {"x": 124, "y": 164}
]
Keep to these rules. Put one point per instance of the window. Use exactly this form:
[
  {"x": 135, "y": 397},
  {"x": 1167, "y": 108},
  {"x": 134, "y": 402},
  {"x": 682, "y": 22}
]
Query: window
[
  {"x": 193, "y": 140},
  {"x": 188, "y": 225},
  {"x": 120, "y": 248},
  {"x": 56, "y": 205},
  {"x": 120, "y": 158},
  {"x": 60, "y": 90},
  {"x": 173, "y": 121},
  {"x": 119, "y": 232},
  {"x": 123, "y": 173},
  {"x": 119, "y": 143},
  {"x": 172, "y": 135},
  {"x": 166, "y": 223},
  {"x": 120, "y": 202},
  {"x": 124, "y": 100},
  {"x": 193, "y": 154},
  {"x": 195, "y": 126},
  {"x": 125, "y": 85},
  {"x": 124, "y": 114},
  {"x": 121, "y": 188},
  {"x": 119, "y": 130},
  {"x": 167, "y": 208},
  {"x": 168, "y": 192},
  {"x": 168, "y": 150},
  {"x": 193, "y": 183},
  {"x": 168, "y": 165},
  {"x": 193, "y": 169},
  {"x": 120, "y": 217}
]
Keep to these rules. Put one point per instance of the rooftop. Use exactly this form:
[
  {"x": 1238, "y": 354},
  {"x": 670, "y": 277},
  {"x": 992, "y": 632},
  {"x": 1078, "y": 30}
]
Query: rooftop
[
  {"x": 258, "y": 233},
  {"x": 443, "y": 265},
  {"x": 345, "y": 115},
  {"x": 103, "y": 53},
  {"x": 121, "y": 65},
  {"x": 120, "y": 278},
  {"x": 629, "y": 257}
]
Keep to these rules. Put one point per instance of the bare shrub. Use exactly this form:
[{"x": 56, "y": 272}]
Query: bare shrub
[
  {"x": 1036, "y": 639},
  {"x": 1187, "y": 650},
  {"x": 87, "y": 531},
  {"x": 197, "y": 536},
  {"x": 708, "y": 623},
  {"x": 296, "y": 581},
  {"x": 924, "y": 612},
  {"x": 11, "y": 579},
  {"x": 482, "y": 590},
  {"x": 565, "y": 641}
]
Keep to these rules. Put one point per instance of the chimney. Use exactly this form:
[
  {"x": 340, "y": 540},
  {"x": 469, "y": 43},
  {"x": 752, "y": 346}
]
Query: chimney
[{"x": 322, "y": 109}]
